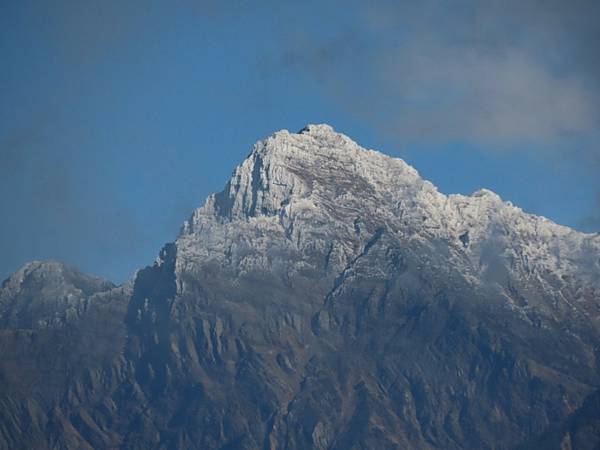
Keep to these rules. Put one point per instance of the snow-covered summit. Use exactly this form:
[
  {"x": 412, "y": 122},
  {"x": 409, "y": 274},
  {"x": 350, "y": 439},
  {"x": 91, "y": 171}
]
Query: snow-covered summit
[
  {"x": 319, "y": 129},
  {"x": 288, "y": 167},
  {"x": 326, "y": 171},
  {"x": 316, "y": 199}
]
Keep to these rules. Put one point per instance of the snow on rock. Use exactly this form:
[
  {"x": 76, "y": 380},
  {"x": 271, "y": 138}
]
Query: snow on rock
[
  {"x": 312, "y": 200},
  {"x": 46, "y": 294}
]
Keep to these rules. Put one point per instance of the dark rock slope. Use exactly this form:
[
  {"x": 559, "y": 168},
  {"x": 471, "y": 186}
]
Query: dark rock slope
[{"x": 328, "y": 298}]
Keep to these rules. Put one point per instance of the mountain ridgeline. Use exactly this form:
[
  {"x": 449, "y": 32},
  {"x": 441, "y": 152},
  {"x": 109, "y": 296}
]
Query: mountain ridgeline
[{"x": 327, "y": 298}]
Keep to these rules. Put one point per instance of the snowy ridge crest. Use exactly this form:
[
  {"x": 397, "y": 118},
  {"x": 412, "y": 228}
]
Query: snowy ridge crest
[{"x": 317, "y": 192}]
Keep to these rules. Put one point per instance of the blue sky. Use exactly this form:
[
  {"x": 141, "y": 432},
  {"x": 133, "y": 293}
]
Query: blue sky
[{"x": 117, "y": 119}]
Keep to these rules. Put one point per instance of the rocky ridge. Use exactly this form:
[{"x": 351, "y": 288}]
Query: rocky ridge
[{"x": 318, "y": 192}]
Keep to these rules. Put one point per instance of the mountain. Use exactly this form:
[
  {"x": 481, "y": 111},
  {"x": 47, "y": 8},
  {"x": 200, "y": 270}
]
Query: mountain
[
  {"x": 327, "y": 298},
  {"x": 47, "y": 295}
]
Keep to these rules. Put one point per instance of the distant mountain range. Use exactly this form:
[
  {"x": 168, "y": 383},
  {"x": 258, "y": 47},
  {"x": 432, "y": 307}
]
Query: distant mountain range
[{"x": 327, "y": 298}]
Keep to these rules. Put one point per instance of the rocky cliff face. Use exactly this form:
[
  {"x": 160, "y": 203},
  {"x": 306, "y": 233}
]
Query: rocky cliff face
[{"x": 328, "y": 298}]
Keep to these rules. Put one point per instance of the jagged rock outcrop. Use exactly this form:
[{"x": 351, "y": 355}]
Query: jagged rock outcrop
[
  {"x": 46, "y": 295},
  {"x": 328, "y": 298}
]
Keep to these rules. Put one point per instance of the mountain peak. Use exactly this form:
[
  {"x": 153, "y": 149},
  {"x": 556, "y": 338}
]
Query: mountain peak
[
  {"x": 290, "y": 168},
  {"x": 40, "y": 269},
  {"x": 319, "y": 129},
  {"x": 311, "y": 140},
  {"x": 317, "y": 191},
  {"x": 46, "y": 294},
  {"x": 52, "y": 272}
]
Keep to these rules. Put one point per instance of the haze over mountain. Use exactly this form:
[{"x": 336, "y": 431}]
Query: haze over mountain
[{"x": 327, "y": 298}]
